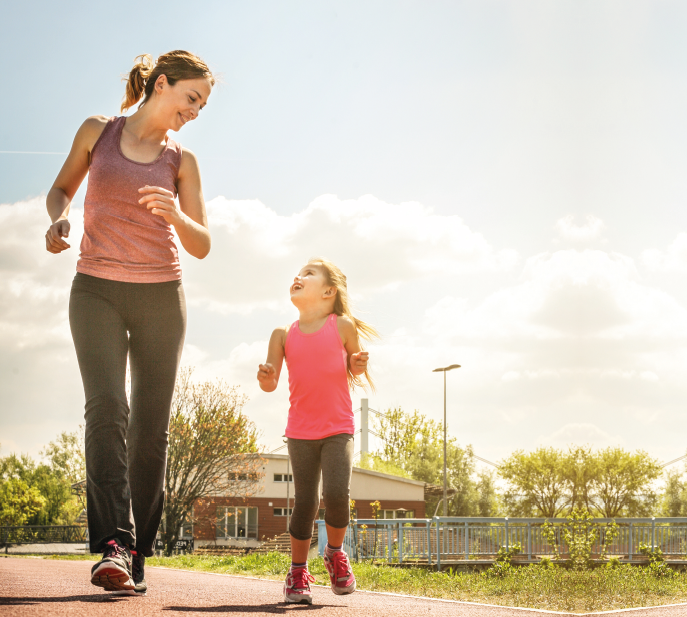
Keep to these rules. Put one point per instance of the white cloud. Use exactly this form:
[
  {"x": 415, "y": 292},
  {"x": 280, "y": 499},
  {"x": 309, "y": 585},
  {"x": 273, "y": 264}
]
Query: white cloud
[
  {"x": 256, "y": 252},
  {"x": 574, "y": 342},
  {"x": 581, "y": 434},
  {"x": 673, "y": 259},
  {"x": 588, "y": 232}
]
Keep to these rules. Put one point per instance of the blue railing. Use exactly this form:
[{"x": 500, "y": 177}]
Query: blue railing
[{"x": 454, "y": 539}]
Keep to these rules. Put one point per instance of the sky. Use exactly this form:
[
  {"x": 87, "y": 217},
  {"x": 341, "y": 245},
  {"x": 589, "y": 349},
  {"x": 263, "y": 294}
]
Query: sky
[{"x": 502, "y": 183}]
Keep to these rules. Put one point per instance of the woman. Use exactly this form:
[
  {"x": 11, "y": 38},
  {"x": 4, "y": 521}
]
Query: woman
[{"x": 127, "y": 298}]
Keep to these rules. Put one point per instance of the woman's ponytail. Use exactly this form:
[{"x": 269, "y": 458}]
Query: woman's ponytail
[
  {"x": 174, "y": 65},
  {"x": 136, "y": 81}
]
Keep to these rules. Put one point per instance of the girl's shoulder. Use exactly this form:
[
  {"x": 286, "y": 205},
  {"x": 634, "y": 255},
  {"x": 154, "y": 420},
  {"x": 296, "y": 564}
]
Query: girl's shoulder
[
  {"x": 346, "y": 328},
  {"x": 280, "y": 333}
]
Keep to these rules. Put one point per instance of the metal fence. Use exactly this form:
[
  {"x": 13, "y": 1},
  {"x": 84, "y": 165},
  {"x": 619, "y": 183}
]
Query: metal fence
[
  {"x": 43, "y": 534},
  {"x": 463, "y": 540}
]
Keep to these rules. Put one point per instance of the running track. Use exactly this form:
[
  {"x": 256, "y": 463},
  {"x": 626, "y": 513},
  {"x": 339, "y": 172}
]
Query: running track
[{"x": 44, "y": 587}]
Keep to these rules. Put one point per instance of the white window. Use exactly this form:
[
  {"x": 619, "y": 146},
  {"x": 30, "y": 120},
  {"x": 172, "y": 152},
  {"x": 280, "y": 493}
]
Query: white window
[
  {"x": 283, "y": 511},
  {"x": 186, "y": 531},
  {"x": 237, "y": 522},
  {"x": 397, "y": 514},
  {"x": 282, "y": 477}
]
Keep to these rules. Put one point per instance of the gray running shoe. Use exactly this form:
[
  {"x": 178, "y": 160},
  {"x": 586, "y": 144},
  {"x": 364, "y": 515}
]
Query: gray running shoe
[
  {"x": 113, "y": 571},
  {"x": 138, "y": 562}
]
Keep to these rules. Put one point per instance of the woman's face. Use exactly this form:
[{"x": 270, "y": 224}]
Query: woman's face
[{"x": 181, "y": 102}]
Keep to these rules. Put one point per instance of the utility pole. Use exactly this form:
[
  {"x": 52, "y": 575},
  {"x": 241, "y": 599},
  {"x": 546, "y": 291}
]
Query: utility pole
[{"x": 364, "y": 428}]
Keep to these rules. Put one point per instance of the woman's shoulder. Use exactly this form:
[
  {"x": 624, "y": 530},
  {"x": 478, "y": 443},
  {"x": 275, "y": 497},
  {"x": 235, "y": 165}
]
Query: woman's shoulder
[
  {"x": 92, "y": 128},
  {"x": 188, "y": 161},
  {"x": 96, "y": 124}
]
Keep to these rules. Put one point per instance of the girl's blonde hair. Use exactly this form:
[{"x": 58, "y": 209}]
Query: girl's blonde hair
[
  {"x": 342, "y": 306},
  {"x": 175, "y": 65}
]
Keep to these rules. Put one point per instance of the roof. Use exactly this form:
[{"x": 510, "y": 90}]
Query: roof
[{"x": 379, "y": 474}]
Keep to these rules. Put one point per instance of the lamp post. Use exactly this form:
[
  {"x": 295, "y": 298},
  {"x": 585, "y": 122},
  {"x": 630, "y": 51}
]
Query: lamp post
[{"x": 444, "y": 371}]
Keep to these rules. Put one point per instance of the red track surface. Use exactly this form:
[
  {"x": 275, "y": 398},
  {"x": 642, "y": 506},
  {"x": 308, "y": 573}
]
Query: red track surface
[{"x": 46, "y": 587}]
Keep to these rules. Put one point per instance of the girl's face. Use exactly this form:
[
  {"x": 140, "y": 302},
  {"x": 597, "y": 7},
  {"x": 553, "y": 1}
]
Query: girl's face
[
  {"x": 182, "y": 102},
  {"x": 310, "y": 286}
]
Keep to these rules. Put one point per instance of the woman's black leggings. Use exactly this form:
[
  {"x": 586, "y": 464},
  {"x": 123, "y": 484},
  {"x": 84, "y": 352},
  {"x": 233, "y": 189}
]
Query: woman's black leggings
[{"x": 126, "y": 448}]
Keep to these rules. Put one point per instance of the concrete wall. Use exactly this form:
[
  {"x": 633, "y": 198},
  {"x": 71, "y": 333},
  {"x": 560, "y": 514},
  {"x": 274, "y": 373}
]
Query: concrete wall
[{"x": 365, "y": 484}]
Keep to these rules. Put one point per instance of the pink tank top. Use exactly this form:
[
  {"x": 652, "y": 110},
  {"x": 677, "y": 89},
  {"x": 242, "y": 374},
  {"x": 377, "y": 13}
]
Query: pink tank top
[
  {"x": 123, "y": 240},
  {"x": 318, "y": 384}
]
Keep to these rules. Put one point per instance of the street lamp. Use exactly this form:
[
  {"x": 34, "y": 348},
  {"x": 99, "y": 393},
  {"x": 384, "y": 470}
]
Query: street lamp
[{"x": 444, "y": 371}]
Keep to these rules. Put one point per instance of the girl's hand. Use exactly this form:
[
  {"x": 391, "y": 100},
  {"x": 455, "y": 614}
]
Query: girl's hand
[
  {"x": 267, "y": 376},
  {"x": 53, "y": 238},
  {"x": 358, "y": 362},
  {"x": 161, "y": 202}
]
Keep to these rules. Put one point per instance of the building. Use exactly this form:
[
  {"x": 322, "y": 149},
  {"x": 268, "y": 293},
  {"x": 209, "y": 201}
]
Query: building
[{"x": 229, "y": 521}]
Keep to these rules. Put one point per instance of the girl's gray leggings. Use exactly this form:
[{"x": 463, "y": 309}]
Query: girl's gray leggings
[{"x": 334, "y": 457}]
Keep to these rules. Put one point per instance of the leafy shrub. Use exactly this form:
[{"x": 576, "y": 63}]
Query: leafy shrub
[{"x": 657, "y": 564}]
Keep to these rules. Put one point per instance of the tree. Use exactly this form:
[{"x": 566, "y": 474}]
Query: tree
[
  {"x": 57, "y": 505},
  {"x": 674, "y": 498},
  {"x": 539, "y": 482},
  {"x": 212, "y": 450},
  {"x": 607, "y": 483},
  {"x": 414, "y": 444},
  {"x": 67, "y": 455},
  {"x": 374, "y": 462},
  {"x": 622, "y": 483},
  {"x": 488, "y": 497},
  {"x": 18, "y": 502}
]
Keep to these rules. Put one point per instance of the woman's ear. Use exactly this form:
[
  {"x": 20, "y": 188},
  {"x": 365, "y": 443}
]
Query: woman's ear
[
  {"x": 330, "y": 292},
  {"x": 160, "y": 83}
]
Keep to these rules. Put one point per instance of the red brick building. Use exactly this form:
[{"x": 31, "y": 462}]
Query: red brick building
[{"x": 231, "y": 521}]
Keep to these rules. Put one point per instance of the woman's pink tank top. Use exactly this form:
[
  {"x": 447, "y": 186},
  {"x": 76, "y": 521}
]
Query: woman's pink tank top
[
  {"x": 123, "y": 240},
  {"x": 318, "y": 384}
]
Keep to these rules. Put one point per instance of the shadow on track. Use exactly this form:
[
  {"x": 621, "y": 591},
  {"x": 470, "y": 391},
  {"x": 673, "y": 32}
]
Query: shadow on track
[
  {"x": 277, "y": 609},
  {"x": 4, "y": 601}
]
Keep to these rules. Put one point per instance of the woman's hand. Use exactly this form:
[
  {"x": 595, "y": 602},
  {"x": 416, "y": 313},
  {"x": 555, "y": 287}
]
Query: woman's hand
[
  {"x": 53, "y": 238},
  {"x": 358, "y": 362},
  {"x": 162, "y": 203},
  {"x": 267, "y": 376}
]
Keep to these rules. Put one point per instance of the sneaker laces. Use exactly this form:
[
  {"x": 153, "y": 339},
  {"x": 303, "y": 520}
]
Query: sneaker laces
[
  {"x": 114, "y": 550},
  {"x": 342, "y": 567},
  {"x": 301, "y": 578}
]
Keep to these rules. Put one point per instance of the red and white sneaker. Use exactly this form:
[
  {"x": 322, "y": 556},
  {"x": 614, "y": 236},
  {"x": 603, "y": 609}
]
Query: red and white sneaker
[
  {"x": 297, "y": 586},
  {"x": 340, "y": 572}
]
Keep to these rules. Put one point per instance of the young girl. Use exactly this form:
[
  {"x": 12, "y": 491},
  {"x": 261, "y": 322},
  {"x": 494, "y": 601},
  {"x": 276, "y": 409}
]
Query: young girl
[{"x": 324, "y": 358}]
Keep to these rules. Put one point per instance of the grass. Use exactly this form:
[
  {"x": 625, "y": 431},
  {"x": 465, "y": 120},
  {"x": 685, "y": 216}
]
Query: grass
[{"x": 552, "y": 588}]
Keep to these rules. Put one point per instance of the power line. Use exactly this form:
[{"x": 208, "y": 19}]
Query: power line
[
  {"x": 674, "y": 461},
  {"x": 27, "y": 152},
  {"x": 484, "y": 460}
]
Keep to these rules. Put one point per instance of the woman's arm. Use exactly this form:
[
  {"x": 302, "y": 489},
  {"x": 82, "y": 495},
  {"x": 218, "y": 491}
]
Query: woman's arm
[
  {"x": 189, "y": 218},
  {"x": 357, "y": 359},
  {"x": 268, "y": 373},
  {"x": 68, "y": 182}
]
